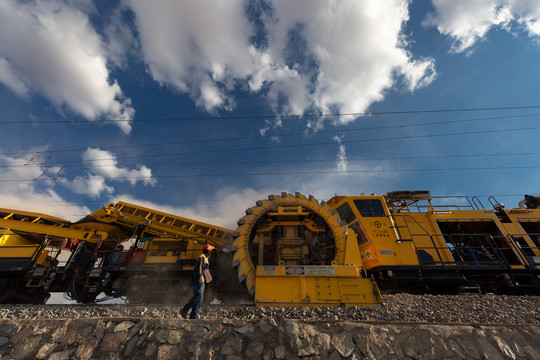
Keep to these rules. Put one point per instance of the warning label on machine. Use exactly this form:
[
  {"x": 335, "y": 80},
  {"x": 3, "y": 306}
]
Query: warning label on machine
[
  {"x": 269, "y": 270},
  {"x": 320, "y": 270}
]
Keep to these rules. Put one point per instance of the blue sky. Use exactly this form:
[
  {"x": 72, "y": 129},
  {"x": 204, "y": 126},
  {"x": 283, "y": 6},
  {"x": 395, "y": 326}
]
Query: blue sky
[{"x": 202, "y": 108}]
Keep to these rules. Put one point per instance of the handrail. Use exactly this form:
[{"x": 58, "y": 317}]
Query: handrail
[{"x": 427, "y": 233}]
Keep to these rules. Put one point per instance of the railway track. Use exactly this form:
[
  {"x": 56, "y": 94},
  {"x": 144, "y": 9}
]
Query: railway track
[{"x": 462, "y": 309}]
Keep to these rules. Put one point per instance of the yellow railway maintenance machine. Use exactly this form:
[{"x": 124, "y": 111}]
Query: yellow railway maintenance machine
[
  {"x": 290, "y": 250},
  {"x": 156, "y": 266},
  {"x": 410, "y": 244},
  {"x": 39, "y": 255}
]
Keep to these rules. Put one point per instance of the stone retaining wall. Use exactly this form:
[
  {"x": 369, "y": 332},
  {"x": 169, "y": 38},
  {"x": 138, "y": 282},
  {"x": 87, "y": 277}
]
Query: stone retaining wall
[{"x": 261, "y": 339}]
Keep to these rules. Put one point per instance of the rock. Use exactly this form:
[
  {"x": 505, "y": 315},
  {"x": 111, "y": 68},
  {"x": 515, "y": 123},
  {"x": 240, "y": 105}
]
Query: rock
[
  {"x": 168, "y": 352},
  {"x": 130, "y": 345},
  {"x": 343, "y": 343},
  {"x": 227, "y": 349},
  {"x": 334, "y": 356},
  {"x": 27, "y": 348},
  {"x": 100, "y": 330},
  {"x": 41, "y": 330},
  {"x": 123, "y": 326},
  {"x": 22, "y": 335},
  {"x": 111, "y": 341},
  {"x": 531, "y": 352},
  {"x": 504, "y": 348},
  {"x": 194, "y": 347},
  {"x": 175, "y": 336},
  {"x": 62, "y": 355},
  {"x": 46, "y": 350},
  {"x": 490, "y": 352},
  {"x": 264, "y": 326},
  {"x": 248, "y": 328},
  {"x": 9, "y": 329},
  {"x": 150, "y": 350},
  {"x": 279, "y": 352},
  {"x": 162, "y": 336},
  {"x": 3, "y": 340},
  {"x": 254, "y": 349},
  {"x": 217, "y": 332},
  {"x": 86, "y": 347},
  {"x": 307, "y": 351},
  {"x": 234, "y": 357},
  {"x": 141, "y": 339},
  {"x": 70, "y": 337},
  {"x": 207, "y": 355},
  {"x": 134, "y": 330}
]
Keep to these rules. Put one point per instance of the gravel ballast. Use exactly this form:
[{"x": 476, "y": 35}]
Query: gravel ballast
[{"x": 466, "y": 309}]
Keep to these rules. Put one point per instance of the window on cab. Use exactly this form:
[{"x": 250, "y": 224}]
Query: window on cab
[
  {"x": 370, "y": 207},
  {"x": 346, "y": 213}
]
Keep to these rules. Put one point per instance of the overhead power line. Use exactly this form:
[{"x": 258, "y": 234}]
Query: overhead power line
[
  {"x": 281, "y": 135},
  {"x": 286, "y": 161},
  {"x": 266, "y": 117},
  {"x": 190, "y": 202},
  {"x": 306, "y": 145},
  {"x": 119, "y": 178}
]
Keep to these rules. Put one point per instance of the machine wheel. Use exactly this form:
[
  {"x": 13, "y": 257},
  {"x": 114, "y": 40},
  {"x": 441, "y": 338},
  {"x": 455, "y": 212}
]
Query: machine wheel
[
  {"x": 322, "y": 230},
  {"x": 8, "y": 288},
  {"x": 13, "y": 292},
  {"x": 78, "y": 290}
]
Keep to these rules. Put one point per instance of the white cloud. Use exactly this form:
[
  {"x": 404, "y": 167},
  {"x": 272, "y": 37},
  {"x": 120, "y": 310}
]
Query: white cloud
[
  {"x": 104, "y": 164},
  {"x": 341, "y": 161},
  {"x": 50, "y": 48},
  {"x": 121, "y": 42},
  {"x": 21, "y": 193},
  {"x": 228, "y": 205},
  {"x": 93, "y": 186},
  {"x": 358, "y": 47},
  {"x": 317, "y": 55},
  {"x": 468, "y": 21},
  {"x": 195, "y": 46},
  {"x": 222, "y": 208},
  {"x": 10, "y": 80}
]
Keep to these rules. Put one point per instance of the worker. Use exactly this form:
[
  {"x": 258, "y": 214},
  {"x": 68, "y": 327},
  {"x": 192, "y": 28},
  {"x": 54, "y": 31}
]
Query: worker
[{"x": 194, "y": 304}]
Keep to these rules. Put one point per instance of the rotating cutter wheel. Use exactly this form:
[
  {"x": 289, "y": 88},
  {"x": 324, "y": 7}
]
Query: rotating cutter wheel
[{"x": 316, "y": 216}]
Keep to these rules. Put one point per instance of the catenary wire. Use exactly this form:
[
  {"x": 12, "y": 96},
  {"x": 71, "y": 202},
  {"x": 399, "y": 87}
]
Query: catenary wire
[
  {"x": 258, "y": 137},
  {"x": 285, "y": 173},
  {"x": 265, "y": 117},
  {"x": 305, "y": 145},
  {"x": 380, "y": 158},
  {"x": 188, "y": 202}
]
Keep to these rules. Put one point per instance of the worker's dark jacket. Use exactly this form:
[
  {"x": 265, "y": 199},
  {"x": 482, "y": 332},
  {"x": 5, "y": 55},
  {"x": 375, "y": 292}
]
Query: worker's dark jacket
[{"x": 200, "y": 265}]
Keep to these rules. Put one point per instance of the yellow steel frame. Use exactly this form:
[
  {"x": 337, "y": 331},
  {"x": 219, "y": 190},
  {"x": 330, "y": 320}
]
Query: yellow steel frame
[
  {"x": 314, "y": 286},
  {"x": 164, "y": 225}
]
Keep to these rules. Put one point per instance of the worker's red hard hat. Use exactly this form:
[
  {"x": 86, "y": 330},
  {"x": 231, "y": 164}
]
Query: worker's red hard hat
[{"x": 208, "y": 247}]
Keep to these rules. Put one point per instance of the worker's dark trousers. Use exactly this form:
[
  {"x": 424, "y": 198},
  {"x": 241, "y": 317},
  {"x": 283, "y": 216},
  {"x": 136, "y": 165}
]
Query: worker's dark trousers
[{"x": 196, "y": 301}]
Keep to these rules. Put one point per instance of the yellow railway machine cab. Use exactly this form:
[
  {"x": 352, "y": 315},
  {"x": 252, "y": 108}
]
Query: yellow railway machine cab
[{"x": 410, "y": 241}]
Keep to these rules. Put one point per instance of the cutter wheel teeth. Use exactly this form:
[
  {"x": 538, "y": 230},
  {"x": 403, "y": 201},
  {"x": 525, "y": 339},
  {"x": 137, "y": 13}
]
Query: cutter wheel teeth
[{"x": 246, "y": 259}]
